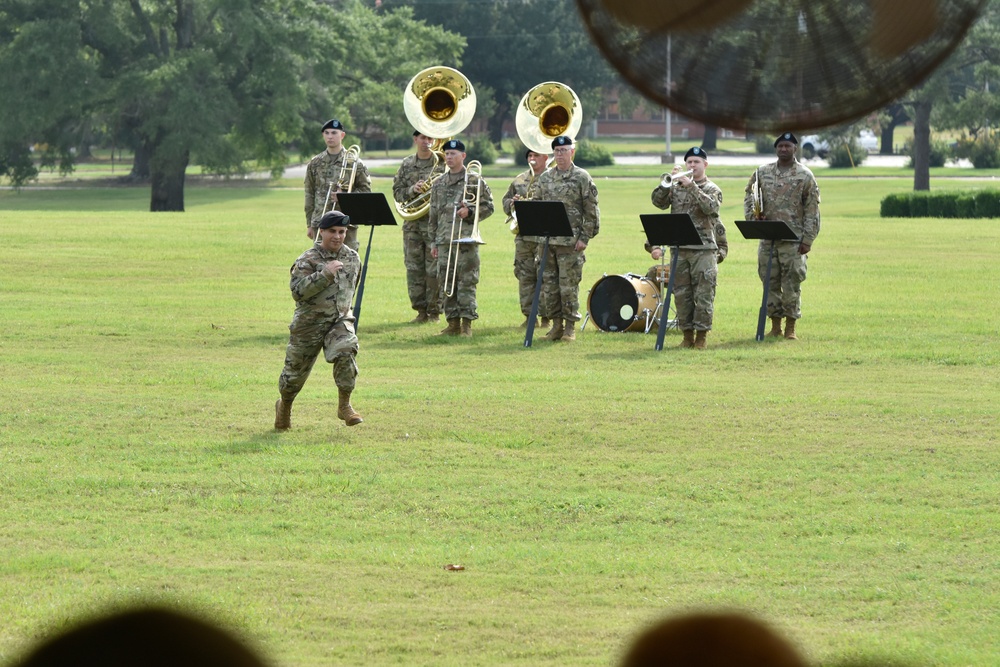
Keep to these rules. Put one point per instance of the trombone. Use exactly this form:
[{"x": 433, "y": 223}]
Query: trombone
[
  {"x": 470, "y": 198},
  {"x": 345, "y": 181},
  {"x": 667, "y": 179}
]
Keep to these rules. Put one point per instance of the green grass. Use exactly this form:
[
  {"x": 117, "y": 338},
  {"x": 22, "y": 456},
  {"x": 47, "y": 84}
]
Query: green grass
[{"x": 842, "y": 486}]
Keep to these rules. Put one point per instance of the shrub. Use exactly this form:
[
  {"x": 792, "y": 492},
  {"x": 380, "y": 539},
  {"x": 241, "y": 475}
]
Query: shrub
[
  {"x": 984, "y": 153},
  {"x": 589, "y": 154},
  {"x": 763, "y": 143},
  {"x": 918, "y": 206},
  {"x": 942, "y": 205},
  {"x": 482, "y": 149},
  {"x": 965, "y": 206},
  {"x": 988, "y": 204},
  {"x": 895, "y": 206},
  {"x": 846, "y": 154}
]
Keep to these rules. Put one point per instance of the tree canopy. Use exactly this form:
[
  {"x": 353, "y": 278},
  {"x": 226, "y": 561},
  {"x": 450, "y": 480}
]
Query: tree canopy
[{"x": 228, "y": 84}]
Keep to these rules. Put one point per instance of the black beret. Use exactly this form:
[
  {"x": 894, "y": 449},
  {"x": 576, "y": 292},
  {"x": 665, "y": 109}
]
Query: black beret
[
  {"x": 334, "y": 219},
  {"x": 333, "y": 124},
  {"x": 453, "y": 145},
  {"x": 562, "y": 140},
  {"x": 416, "y": 132},
  {"x": 787, "y": 136},
  {"x": 697, "y": 152}
]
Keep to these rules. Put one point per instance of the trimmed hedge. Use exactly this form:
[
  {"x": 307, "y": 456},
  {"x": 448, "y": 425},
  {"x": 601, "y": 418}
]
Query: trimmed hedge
[{"x": 982, "y": 204}]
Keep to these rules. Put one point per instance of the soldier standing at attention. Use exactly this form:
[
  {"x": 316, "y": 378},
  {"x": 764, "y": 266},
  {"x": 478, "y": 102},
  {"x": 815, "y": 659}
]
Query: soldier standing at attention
[
  {"x": 697, "y": 267},
  {"x": 790, "y": 194},
  {"x": 526, "y": 248},
  {"x": 411, "y": 180},
  {"x": 323, "y": 171},
  {"x": 322, "y": 285},
  {"x": 449, "y": 204},
  {"x": 575, "y": 188}
]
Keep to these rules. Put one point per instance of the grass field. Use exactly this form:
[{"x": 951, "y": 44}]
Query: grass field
[{"x": 844, "y": 486}]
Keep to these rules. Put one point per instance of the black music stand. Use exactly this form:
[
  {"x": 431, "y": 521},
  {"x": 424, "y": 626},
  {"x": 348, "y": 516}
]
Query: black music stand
[
  {"x": 546, "y": 219},
  {"x": 365, "y": 208},
  {"x": 767, "y": 230},
  {"x": 673, "y": 230}
]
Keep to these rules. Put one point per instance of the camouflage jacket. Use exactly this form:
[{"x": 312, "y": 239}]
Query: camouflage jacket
[
  {"x": 519, "y": 186},
  {"x": 446, "y": 192},
  {"x": 323, "y": 170},
  {"x": 410, "y": 172},
  {"x": 702, "y": 203},
  {"x": 576, "y": 190},
  {"x": 320, "y": 295},
  {"x": 790, "y": 195}
]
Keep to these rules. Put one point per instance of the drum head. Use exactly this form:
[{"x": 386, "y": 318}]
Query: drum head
[{"x": 613, "y": 303}]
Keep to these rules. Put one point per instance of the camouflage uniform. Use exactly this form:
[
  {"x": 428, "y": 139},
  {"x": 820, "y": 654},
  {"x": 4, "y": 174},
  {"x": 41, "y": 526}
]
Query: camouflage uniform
[
  {"x": 792, "y": 196},
  {"x": 421, "y": 268},
  {"x": 323, "y": 319},
  {"x": 323, "y": 170},
  {"x": 526, "y": 249},
  {"x": 696, "y": 271},
  {"x": 564, "y": 266},
  {"x": 446, "y": 191}
]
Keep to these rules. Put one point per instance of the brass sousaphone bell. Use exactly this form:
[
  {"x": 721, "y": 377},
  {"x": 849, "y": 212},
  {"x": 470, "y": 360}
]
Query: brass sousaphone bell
[
  {"x": 439, "y": 102},
  {"x": 548, "y": 110}
]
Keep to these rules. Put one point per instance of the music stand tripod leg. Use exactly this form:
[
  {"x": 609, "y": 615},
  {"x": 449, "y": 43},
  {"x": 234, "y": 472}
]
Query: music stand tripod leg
[
  {"x": 665, "y": 313},
  {"x": 361, "y": 282},
  {"x": 762, "y": 317},
  {"x": 538, "y": 290}
]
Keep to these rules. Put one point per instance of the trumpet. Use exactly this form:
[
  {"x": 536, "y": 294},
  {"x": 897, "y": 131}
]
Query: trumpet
[
  {"x": 345, "y": 181},
  {"x": 667, "y": 179},
  {"x": 470, "y": 198}
]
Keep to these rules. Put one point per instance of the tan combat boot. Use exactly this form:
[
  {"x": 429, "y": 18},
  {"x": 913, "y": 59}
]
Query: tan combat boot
[
  {"x": 453, "y": 329},
  {"x": 433, "y": 317},
  {"x": 466, "y": 329},
  {"x": 790, "y": 329},
  {"x": 345, "y": 411},
  {"x": 699, "y": 339},
  {"x": 546, "y": 322},
  {"x": 556, "y": 332},
  {"x": 420, "y": 318},
  {"x": 569, "y": 332},
  {"x": 688, "y": 338},
  {"x": 775, "y": 327},
  {"x": 283, "y": 415}
]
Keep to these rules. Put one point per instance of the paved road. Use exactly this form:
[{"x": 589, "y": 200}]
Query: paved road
[{"x": 299, "y": 170}]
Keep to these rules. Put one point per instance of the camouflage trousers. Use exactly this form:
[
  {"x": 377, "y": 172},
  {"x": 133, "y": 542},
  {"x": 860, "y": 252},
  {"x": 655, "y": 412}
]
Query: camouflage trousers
[
  {"x": 307, "y": 340},
  {"x": 462, "y": 303},
  {"x": 561, "y": 283},
  {"x": 695, "y": 278},
  {"x": 788, "y": 271},
  {"x": 421, "y": 269},
  {"x": 526, "y": 272}
]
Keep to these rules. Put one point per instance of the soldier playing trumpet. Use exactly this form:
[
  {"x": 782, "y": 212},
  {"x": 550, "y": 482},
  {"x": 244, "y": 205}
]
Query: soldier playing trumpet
[{"x": 332, "y": 171}]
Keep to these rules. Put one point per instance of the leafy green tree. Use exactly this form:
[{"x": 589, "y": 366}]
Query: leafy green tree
[{"x": 227, "y": 84}]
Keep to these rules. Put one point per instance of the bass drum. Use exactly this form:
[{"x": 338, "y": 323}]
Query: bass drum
[{"x": 624, "y": 303}]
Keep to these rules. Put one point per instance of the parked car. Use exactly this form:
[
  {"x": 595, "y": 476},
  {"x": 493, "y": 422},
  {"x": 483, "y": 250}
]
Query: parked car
[{"x": 812, "y": 145}]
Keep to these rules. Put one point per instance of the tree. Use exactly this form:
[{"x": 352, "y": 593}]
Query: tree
[
  {"x": 516, "y": 44},
  {"x": 228, "y": 84}
]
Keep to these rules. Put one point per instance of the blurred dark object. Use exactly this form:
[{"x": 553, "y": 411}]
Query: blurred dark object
[
  {"x": 776, "y": 66},
  {"x": 149, "y": 636}
]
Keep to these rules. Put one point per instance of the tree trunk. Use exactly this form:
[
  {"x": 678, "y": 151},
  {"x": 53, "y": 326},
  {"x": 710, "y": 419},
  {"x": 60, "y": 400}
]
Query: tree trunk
[
  {"x": 167, "y": 181},
  {"x": 922, "y": 145},
  {"x": 710, "y": 141},
  {"x": 897, "y": 116},
  {"x": 495, "y": 124},
  {"x": 885, "y": 141},
  {"x": 140, "y": 164}
]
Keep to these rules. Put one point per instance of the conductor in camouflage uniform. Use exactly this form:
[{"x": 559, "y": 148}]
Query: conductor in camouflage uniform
[
  {"x": 322, "y": 284},
  {"x": 575, "y": 188},
  {"x": 526, "y": 248},
  {"x": 789, "y": 193},
  {"x": 451, "y": 212},
  {"x": 696, "y": 272},
  {"x": 323, "y": 182},
  {"x": 412, "y": 180}
]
